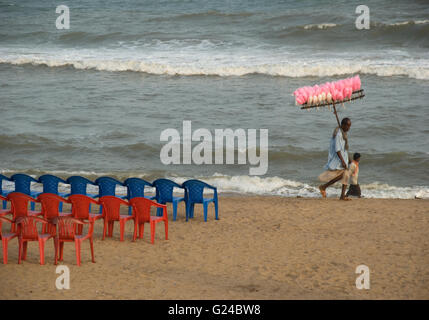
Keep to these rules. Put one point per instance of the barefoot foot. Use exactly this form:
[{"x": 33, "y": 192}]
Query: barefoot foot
[{"x": 322, "y": 191}]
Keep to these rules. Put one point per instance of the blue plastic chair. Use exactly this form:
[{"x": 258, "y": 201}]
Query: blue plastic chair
[
  {"x": 195, "y": 194},
  {"x": 107, "y": 187},
  {"x": 78, "y": 185},
  {"x": 3, "y": 193},
  {"x": 50, "y": 185},
  {"x": 23, "y": 185},
  {"x": 135, "y": 188},
  {"x": 164, "y": 194}
]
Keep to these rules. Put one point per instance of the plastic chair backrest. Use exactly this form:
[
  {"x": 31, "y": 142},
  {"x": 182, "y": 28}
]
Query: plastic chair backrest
[
  {"x": 141, "y": 207},
  {"x": 195, "y": 189},
  {"x": 135, "y": 187},
  {"x": 107, "y": 186},
  {"x": 112, "y": 206},
  {"x": 78, "y": 184},
  {"x": 80, "y": 205},
  {"x": 27, "y": 227},
  {"x": 66, "y": 227},
  {"x": 164, "y": 189},
  {"x": 23, "y": 182},
  {"x": 50, "y": 183},
  {"x": 2, "y": 177},
  {"x": 50, "y": 204},
  {"x": 19, "y": 203}
]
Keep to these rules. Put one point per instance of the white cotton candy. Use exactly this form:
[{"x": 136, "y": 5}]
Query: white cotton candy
[{"x": 315, "y": 100}]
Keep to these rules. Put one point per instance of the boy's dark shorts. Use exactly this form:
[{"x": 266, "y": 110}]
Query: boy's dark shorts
[{"x": 354, "y": 190}]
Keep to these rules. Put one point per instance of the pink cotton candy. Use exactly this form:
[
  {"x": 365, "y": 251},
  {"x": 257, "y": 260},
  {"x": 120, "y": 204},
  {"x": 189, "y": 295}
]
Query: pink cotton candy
[{"x": 300, "y": 100}]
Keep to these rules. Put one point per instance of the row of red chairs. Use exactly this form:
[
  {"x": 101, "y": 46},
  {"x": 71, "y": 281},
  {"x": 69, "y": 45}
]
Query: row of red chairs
[{"x": 68, "y": 226}]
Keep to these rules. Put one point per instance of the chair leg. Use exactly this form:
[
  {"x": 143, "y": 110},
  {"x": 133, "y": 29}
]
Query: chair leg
[
  {"x": 5, "y": 243},
  {"x": 135, "y": 230},
  {"x": 159, "y": 212},
  {"x": 104, "y": 229},
  {"x": 32, "y": 205},
  {"x": 174, "y": 210},
  {"x": 56, "y": 250},
  {"x": 141, "y": 230},
  {"x": 111, "y": 225},
  {"x": 216, "y": 209},
  {"x": 61, "y": 251},
  {"x": 152, "y": 232},
  {"x": 42, "y": 251},
  {"x": 166, "y": 229},
  {"x": 205, "y": 204},
  {"x": 77, "y": 245},
  {"x": 192, "y": 210},
  {"x": 20, "y": 245},
  {"x": 60, "y": 207},
  {"x": 92, "y": 249},
  {"x": 187, "y": 210},
  {"x": 130, "y": 210},
  {"x": 4, "y": 204},
  {"x": 24, "y": 251},
  {"x": 122, "y": 227}
]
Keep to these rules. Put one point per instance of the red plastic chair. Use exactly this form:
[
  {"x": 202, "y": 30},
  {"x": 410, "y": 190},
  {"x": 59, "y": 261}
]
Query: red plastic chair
[
  {"x": 19, "y": 206},
  {"x": 4, "y": 212},
  {"x": 80, "y": 209},
  {"x": 5, "y": 238},
  {"x": 50, "y": 206},
  {"x": 27, "y": 231},
  {"x": 141, "y": 209},
  {"x": 111, "y": 213},
  {"x": 66, "y": 232}
]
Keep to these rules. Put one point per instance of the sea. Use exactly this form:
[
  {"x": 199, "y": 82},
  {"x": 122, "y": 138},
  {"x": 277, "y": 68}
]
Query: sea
[{"x": 93, "y": 100}]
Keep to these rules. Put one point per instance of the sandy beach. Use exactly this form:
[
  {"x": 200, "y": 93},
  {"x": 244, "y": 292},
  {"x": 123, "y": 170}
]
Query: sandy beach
[{"x": 261, "y": 248}]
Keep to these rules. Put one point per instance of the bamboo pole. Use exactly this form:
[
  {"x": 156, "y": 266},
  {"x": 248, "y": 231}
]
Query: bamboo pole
[{"x": 336, "y": 115}]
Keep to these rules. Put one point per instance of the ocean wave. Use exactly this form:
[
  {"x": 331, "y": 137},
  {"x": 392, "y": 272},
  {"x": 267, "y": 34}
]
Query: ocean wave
[
  {"x": 404, "y": 23},
  {"x": 246, "y": 185},
  {"x": 320, "y": 26},
  {"x": 284, "y": 187},
  {"x": 201, "y": 15},
  {"x": 383, "y": 68}
]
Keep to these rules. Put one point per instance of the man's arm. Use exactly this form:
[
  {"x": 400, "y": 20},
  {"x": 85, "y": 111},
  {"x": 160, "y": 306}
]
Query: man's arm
[
  {"x": 342, "y": 160},
  {"x": 338, "y": 148}
]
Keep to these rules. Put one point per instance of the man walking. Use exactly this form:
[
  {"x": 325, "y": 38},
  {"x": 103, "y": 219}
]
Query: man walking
[{"x": 338, "y": 160}]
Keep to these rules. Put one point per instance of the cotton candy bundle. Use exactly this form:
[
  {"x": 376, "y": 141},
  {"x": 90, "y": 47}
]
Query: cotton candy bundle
[{"x": 329, "y": 92}]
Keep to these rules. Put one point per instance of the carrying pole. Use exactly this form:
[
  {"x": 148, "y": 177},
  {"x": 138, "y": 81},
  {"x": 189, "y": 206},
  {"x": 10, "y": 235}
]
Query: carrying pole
[{"x": 336, "y": 115}]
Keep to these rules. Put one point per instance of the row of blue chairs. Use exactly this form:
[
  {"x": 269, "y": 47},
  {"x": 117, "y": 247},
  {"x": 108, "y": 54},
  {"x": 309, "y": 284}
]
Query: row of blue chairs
[{"x": 193, "y": 190}]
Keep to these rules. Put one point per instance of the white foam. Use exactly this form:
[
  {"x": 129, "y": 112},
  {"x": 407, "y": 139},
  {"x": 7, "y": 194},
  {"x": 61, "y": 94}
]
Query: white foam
[
  {"x": 320, "y": 26},
  {"x": 401, "y": 23},
  {"x": 290, "y": 188},
  {"x": 297, "y": 69},
  {"x": 223, "y": 63}
]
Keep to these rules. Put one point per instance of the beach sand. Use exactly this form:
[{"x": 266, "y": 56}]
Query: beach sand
[{"x": 261, "y": 248}]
